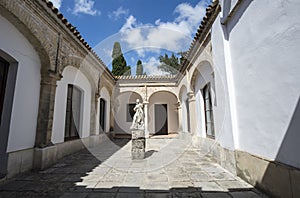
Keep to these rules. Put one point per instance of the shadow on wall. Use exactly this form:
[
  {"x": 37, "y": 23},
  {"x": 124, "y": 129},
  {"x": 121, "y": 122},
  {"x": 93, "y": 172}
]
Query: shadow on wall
[
  {"x": 276, "y": 178},
  {"x": 284, "y": 180}
]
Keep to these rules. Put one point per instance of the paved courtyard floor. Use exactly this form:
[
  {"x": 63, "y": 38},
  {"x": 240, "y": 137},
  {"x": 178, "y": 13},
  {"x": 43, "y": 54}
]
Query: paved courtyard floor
[{"x": 172, "y": 168}]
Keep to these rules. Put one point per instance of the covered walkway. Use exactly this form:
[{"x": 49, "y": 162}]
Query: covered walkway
[{"x": 172, "y": 168}]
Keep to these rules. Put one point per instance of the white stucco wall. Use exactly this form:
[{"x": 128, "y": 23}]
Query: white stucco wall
[
  {"x": 73, "y": 76},
  {"x": 105, "y": 95},
  {"x": 170, "y": 99},
  {"x": 184, "y": 116},
  {"x": 224, "y": 111},
  {"x": 27, "y": 89},
  {"x": 120, "y": 111},
  {"x": 264, "y": 54}
]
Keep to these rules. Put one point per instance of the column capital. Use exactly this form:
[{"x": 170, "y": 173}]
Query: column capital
[
  {"x": 178, "y": 105},
  {"x": 145, "y": 102},
  {"x": 50, "y": 77},
  {"x": 191, "y": 96}
]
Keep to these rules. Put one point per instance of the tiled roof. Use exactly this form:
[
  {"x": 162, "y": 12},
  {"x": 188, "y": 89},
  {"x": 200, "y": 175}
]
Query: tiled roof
[
  {"x": 211, "y": 13},
  {"x": 147, "y": 78},
  {"x": 73, "y": 30}
]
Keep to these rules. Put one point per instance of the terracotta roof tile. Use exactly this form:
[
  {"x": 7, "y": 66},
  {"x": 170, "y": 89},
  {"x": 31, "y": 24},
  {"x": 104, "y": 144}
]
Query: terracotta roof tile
[
  {"x": 206, "y": 23},
  {"x": 74, "y": 31}
]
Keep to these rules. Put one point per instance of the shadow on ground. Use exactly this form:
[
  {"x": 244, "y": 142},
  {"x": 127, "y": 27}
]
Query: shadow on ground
[{"x": 70, "y": 177}]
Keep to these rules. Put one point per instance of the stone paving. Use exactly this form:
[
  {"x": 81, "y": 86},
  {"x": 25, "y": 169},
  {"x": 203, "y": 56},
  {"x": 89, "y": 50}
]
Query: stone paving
[{"x": 172, "y": 168}]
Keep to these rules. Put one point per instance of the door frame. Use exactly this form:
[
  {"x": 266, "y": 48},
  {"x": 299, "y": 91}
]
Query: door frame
[
  {"x": 102, "y": 114},
  {"x": 159, "y": 132},
  {"x": 9, "y": 91}
]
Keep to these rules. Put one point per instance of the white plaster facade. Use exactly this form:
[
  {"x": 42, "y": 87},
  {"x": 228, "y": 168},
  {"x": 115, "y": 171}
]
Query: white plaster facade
[
  {"x": 26, "y": 97},
  {"x": 260, "y": 45}
]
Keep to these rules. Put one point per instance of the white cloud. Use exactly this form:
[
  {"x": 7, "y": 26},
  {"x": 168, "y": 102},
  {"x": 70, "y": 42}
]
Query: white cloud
[
  {"x": 118, "y": 13},
  {"x": 129, "y": 24},
  {"x": 174, "y": 36},
  {"x": 150, "y": 67},
  {"x": 85, "y": 7},
  {"x": 56, "y": 3}
]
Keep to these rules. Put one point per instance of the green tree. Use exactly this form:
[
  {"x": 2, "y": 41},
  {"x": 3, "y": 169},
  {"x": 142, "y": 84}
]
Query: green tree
[
  {"x": 139, "y": 68},
  {"x": 127, "y": 71},
  {"x": 169, "y": 64},
  {"x": 119, "y": 65}
]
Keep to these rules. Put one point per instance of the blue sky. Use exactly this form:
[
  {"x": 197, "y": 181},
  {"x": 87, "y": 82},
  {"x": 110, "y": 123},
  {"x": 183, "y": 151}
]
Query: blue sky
[{"x": 145, "y": 28}]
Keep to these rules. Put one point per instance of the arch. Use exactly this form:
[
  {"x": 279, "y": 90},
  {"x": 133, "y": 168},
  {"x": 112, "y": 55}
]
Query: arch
[
  {"x": 122, "y": 104},
  {"x": 105, "y": 106},
  {"x": 204, "y": 72},
  {"x": 71, "y": 76},
  {"x": 36, "y": 40},
  {"x": 202, "y": 78},
  {"x": 171, "y": 101},
  {"x": 161, "y": 89},
  {"x": 80, "y": 64},
  {"x": 18, "y": 50}
]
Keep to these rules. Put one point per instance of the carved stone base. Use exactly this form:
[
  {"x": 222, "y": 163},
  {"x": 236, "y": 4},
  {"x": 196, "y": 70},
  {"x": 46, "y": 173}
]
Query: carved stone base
[{"x": 138, "y": 145}]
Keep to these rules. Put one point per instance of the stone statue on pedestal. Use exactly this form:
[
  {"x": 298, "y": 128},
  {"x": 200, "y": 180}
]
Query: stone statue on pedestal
[{"x": 138, "y": 133}]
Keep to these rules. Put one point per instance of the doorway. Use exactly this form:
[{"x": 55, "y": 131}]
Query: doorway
[
  {"x": 102, "y": 114},
  {"x": 73, "y": 113},
  {"x": 161, "y": 119},
  {"x": 8, "y": 73}
]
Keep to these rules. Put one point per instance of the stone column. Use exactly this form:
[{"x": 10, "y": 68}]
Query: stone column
[
  {"x": 146, "y": 119},
  {"x": 96, "y": 112},
  {"x": 179, "y": 110},
  {"x": 192, "y": 110},
  {"x": 46, "y": 110}
]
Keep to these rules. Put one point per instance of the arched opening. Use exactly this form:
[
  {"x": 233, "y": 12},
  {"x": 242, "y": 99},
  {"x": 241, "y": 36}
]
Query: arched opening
[
  {"x": 72, "y": 106},
  {"x": 123, "y": 111},
  {"x": 104, "y": 111},
  {"x": 20, "y": 93},
  {"x": 203, "y": 85},
  {"x": 163, "y": 113}
]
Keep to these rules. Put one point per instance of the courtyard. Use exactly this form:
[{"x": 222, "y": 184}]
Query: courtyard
[{"x": 172, "y": 167}]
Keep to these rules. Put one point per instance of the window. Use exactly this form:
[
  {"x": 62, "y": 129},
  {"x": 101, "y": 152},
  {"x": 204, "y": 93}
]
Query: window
[
  {"x": 102, "y": 113},
  {"x": 3, "y": 77},
  {"x": 130, "y": 112},
  {"x": 73, "y": 113},
  {"x": 209, "y": 120}
]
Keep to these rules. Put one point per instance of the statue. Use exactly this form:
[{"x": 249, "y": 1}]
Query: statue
[
  {"x": 138, "y": 118},
  {"x": 138, "y": 133}
]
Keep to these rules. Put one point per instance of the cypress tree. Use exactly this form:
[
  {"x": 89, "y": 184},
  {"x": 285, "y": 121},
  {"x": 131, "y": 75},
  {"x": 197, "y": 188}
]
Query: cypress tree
[
  {"x": 119, "y": 65},
  {"x": 139, "y": 68}
]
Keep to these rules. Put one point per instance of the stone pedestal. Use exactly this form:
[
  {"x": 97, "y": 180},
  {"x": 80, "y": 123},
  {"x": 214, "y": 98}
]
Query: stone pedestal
[{"x": 138, "y": 144}]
